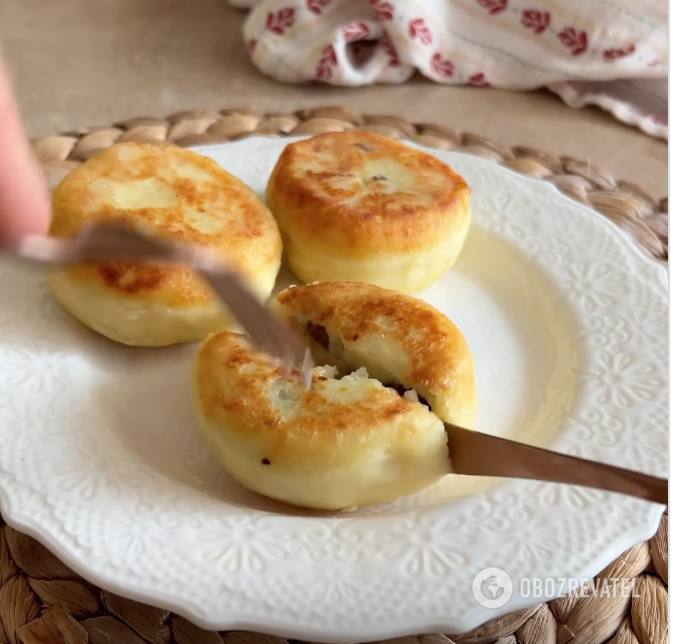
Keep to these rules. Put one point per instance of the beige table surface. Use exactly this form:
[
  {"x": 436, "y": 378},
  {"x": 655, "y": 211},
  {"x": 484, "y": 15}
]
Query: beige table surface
[{"x": 79, "y": 63}]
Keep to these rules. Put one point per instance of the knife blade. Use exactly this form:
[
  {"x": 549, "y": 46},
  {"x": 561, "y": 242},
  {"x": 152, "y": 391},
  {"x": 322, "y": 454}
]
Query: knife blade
[{"x": 477, "y": 454}]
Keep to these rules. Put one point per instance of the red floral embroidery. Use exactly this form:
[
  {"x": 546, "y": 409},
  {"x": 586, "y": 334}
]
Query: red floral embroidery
[
  {"x": 614, "y": 54},
  {"x": 393, "y": 60},
  {"x": 251, "y": 45},
  {"x": 493, "y": 6},
  {"x": 537, "y": 21},
  {"x": 317, "y": 6},
  {"x": 418, "y": 30},
  {"x": 576, "y": 41},
  {"x": 478, "y": 80},
  {"x": 383, "y": 9},
  {"x": 356, "y": 31},
  {"x": 279, "y": 21},
  {"x": 328, "y": 60},
  {"x": 441, "y": 66}
]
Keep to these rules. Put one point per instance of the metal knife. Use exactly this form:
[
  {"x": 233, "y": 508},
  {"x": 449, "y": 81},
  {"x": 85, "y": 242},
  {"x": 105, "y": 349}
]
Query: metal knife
[{"x": 477, "y": 454}]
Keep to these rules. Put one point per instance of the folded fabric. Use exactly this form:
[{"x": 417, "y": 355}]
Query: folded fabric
[{"x": 587, "y": 51}]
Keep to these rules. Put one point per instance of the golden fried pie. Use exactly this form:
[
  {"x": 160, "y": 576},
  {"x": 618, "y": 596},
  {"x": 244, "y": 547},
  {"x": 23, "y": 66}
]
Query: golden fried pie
[
  {"x": 181, "y": 195},
  {"x": 356, "y": 206},
  {"x": 370, "y": 428}
]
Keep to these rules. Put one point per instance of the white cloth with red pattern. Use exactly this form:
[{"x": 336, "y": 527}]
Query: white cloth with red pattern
[{"x": 613, "y": 53}]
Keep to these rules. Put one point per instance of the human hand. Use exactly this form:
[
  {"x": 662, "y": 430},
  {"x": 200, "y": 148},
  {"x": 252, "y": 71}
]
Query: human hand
[{"x": 24, "y": 195}]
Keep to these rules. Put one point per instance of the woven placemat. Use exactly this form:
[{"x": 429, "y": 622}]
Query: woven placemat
[{"x": 43, "y": 602}]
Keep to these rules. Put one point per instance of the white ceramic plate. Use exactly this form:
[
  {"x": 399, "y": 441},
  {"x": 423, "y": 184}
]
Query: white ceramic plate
[{"x": 101, "y": 460}]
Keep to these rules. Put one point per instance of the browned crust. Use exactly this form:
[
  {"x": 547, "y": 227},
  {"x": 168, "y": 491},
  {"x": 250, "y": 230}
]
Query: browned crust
[
  {"x": 308, "y": 203},
  {"x": 245, "y": 231},
  {"x": 225, "y": 392}
]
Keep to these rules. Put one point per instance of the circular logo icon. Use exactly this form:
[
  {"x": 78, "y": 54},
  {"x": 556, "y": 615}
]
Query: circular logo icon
[{"x": 492, "y": 587}]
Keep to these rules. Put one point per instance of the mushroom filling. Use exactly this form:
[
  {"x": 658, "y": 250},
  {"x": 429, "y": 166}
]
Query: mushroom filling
[{"x": 320, "y": 335}]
